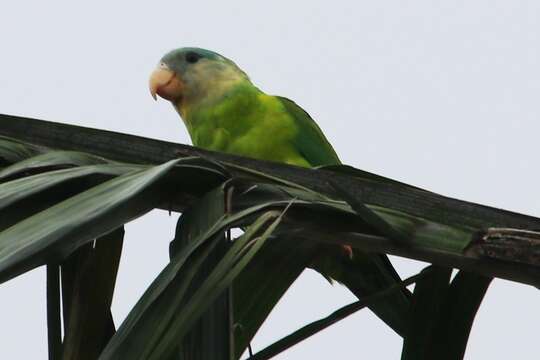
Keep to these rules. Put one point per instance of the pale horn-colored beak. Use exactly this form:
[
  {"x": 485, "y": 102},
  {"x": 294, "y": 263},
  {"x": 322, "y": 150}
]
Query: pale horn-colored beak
[{"x": 164, "y": 82}]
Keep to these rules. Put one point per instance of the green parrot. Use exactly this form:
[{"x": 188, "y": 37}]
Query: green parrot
[{"x": 224, "y": 111}]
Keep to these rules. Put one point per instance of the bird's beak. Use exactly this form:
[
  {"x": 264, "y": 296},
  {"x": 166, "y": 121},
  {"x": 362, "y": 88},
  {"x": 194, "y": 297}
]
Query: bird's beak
[{"x": 165, "y": 83}]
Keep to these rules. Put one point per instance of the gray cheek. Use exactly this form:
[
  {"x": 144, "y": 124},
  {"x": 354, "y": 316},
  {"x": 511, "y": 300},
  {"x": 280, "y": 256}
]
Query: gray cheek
[
  {"x": 181, "y": 68},
  {"x": 190, "y": 82}
]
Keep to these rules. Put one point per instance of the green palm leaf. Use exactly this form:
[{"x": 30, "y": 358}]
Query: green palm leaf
[{"x": 67, "y": 208}]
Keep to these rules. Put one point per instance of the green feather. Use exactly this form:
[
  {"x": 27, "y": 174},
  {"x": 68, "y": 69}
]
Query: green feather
[
  {"x": 225, "y": 112},
  {"x": 310, "y": 140}
]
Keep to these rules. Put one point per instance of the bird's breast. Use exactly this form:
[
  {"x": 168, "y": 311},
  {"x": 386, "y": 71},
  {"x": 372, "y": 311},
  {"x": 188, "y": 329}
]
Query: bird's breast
[{"x": 261, "y": 130}]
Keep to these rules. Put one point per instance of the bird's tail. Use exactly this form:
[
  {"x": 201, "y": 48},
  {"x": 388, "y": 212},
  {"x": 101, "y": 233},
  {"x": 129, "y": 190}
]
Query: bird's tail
[{"x": 365, "y": 274}]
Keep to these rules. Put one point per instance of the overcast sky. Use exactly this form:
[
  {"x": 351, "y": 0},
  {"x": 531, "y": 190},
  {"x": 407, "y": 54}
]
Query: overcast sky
[{"x": 445, "y": 97}]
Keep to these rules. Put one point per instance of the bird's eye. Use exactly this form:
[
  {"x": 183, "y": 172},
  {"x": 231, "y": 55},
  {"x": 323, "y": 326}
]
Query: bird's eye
[{"x": 192, "y": 57}]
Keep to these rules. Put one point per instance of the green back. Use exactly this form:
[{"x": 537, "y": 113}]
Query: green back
[{"x": 310, "y": 140}]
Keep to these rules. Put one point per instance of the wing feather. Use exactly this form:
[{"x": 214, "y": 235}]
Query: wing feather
[{"x": 310, "y": 140}]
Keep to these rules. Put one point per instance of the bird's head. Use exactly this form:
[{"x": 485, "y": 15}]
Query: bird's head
[{"x": 191, "y": 75}]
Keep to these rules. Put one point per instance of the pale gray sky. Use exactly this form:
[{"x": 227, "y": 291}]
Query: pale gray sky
[{"x": 442, "y": 96}]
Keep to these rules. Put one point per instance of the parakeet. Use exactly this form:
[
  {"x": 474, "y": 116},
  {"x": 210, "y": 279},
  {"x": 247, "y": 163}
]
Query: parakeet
[{"x": 224, "y": 111}]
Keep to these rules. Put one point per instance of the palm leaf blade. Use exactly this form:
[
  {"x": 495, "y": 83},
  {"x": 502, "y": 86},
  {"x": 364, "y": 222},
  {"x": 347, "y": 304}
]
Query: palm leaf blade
[{"x": 54, "y": 233}]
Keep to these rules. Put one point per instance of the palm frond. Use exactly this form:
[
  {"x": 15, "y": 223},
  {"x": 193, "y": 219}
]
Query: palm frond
[{"x": 65, "y": 197}]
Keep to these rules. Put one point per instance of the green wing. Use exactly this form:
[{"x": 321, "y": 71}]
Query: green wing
[
  {"x": 310, "y": 140},
  {"x": 365, "y": 274}
]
